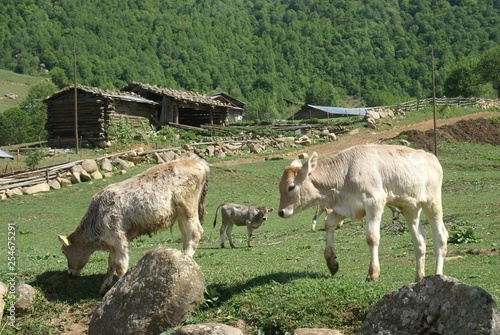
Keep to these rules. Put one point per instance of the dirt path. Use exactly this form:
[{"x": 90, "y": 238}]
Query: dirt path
[{"x": 363, "y": 136}]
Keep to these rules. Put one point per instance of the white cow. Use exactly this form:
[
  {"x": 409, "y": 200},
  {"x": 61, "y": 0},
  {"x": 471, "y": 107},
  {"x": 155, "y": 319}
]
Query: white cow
[
  {"x": 359, "y": 182},
  {"x": 322, "y": 209},
  {"x": 241, "y": 215},
  {"x": 141, "y": 205}
]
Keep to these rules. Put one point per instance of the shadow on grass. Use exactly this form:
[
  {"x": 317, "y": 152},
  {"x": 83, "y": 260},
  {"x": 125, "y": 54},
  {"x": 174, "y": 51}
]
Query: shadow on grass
[
  {"x": 280, "y": 277},
  {"x": 59, "y": 286}
]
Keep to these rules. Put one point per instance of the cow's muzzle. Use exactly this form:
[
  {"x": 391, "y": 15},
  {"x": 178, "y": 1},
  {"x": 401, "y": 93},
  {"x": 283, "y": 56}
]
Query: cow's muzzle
[{"x": 285, "y": 213}]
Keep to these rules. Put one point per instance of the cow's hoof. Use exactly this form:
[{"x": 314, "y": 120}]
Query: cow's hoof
[
  {"x": 333, "y": 266},
  {"x": 331, "y": 261}
]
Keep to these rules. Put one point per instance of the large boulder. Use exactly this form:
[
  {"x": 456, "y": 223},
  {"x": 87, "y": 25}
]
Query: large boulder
[
  {"x": 154, "y": 295},
  {"x": 434, "y": 305},
  {"x": 25, "y": 297}
]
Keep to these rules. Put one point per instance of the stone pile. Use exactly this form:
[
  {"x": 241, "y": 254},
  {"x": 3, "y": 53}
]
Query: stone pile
[{"x": 90, "y": 170}]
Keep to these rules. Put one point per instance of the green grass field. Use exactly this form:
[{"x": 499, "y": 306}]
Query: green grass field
[
  {"x": 15, "y": 83},
  {"x": 282, "y": 282}
]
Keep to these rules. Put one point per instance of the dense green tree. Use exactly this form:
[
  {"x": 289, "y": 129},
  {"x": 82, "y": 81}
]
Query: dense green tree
[
  {"x": 377, "y": 50},
  {"x": 464, "y": 80},
  {"x": 489, "y": 66},
  {"x": 26, "y": 123}
]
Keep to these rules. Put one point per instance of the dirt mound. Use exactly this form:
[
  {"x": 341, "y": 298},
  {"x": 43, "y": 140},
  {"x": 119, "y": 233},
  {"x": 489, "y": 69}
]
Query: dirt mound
[{"x": 474, "y": 131}]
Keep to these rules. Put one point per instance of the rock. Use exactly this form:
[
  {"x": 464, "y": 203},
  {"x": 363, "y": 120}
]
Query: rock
[
  {"x": 85, "y": 176},
  {"x": 208, "y": 329},
  {"x": 108, "y": 175},
  {"x": 154, "y": 295},
  {"x": 26, "y": 297},
  {"x": 54, "y": 184},
  {"x": 289, "y": 140},
  {"x": 122, "y": 164},
  {"x": 75, "y": 178},
  {"x": 255, "y": 148},
  {"x": 434, "y": 305},
  {"x": 106, "y": 165},
  {"x": 169, "y": 156},
  {"x": 405, "y": 143},
  {"x": 43, "y": 187},
  {"x": 89, "y": 165},
  {"x": 64, "y": 181},
  {"x": 332, "y": 136},
  {"x": 371, "y": 123},
  {"x": 303, "y": 155},
  {"x": 304, "y": 140},
  {"x": 3, "y": 195},
  {"x": 210, "y": 150},
  {"x": 96, "y": 175},
  {"x": 158, "y": 159},
  {"x": 14, "y": 191},
  {"x": 316, "y": 331},
  {"x": 372, "y": 115}
]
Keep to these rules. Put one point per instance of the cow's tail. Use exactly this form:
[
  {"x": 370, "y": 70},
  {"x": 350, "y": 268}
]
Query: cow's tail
[
  {"x": 216, "y": 211},
  {"x": 201, "y": 204}
]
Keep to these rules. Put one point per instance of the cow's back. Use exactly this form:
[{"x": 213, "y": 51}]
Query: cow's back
[
  {"x": 395, "y": 170},
  {"x": 147, "y": 202},
  {"x": 237, "y": 214}
]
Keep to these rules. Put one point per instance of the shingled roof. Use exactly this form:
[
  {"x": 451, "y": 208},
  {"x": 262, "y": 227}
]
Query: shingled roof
[
  {"x": 113, "y": 94},
  {"x": 184, "y": 96}
]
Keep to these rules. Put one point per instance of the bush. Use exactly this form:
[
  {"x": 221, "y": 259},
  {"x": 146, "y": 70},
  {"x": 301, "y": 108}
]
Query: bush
[{"x": 33, "y": 157}]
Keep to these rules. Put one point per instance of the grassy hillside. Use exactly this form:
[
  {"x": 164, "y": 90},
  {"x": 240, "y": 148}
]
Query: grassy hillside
[
  {"x": 282, "y": 282},
  {"x": 17, "y": 84}
]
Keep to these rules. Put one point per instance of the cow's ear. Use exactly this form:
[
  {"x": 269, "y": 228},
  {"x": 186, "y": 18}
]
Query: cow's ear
[
  {"x": 269, "y": 210},
  {"x": 64, "y": 240},
  {"x": 309, "y": 165}
]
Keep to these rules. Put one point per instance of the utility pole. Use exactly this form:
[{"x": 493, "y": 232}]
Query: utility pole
[
  {"x": 434, "y": 103},
  {"x": 76, "y": 96}
]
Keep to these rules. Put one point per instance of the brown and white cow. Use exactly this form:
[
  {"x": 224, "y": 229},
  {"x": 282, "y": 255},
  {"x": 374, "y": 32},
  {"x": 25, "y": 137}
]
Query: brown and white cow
[
  {"x": 359, "y": 182},
  {"x": 241, "y": 215},
  {"x": 141, "y": 205}
]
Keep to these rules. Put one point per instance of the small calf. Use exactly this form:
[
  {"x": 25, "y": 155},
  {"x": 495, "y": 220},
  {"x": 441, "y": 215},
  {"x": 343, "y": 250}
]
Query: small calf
[{"x": 241, "y": 215}]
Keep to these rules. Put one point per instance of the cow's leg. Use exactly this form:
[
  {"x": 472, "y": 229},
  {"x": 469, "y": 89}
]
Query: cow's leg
[
  {"x": 249, "y": 234},
  {"x": 315, "y": 217},
  {"x": 331, "y": 222},
  {"x": 117, "y": 261},
  {"x": 228, "y": 233},
  {"x": 417, "y": 232},
  {"x": 373, "y": 219},
  {"x": 434, "y": 213},
  {"x": 191, "y": 230},
  {"x": 222, "y": 231}
]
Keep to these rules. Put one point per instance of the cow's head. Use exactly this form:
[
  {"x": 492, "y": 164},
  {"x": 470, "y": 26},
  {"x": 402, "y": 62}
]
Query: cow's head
[
  {"x": 295, "y": 186},
  {"x": 76, "y": 253},
  {"x": 260, "y": 215}
]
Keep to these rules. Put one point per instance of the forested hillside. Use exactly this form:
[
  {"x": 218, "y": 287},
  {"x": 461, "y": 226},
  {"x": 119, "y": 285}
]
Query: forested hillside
[{"x": 378, "y": 51}]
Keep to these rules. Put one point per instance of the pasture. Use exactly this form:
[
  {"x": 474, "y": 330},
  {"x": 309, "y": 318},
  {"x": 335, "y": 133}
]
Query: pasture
[{"x": 282, "y": 282}]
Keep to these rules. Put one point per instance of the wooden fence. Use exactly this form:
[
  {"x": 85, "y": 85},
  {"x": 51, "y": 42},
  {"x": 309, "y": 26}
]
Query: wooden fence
[{"x": 460, "y": 102}]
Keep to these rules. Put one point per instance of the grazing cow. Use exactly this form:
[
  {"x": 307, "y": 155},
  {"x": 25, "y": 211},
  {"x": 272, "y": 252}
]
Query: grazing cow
[
  {"x": 241, "y": 215},
  {"x": 322, "y": 209},
  {"x": 141, "y": 205},
  {"x": 359, "y": 182}
]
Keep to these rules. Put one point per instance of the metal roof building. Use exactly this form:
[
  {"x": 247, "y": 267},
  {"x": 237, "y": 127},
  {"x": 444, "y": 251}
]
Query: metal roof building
[{"x": 325, "y": 112}]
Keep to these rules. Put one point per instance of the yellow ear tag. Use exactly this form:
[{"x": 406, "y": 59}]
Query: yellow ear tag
[
  {"x": 64, "y": 240},
  {"x": 256, "y": 212}
]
